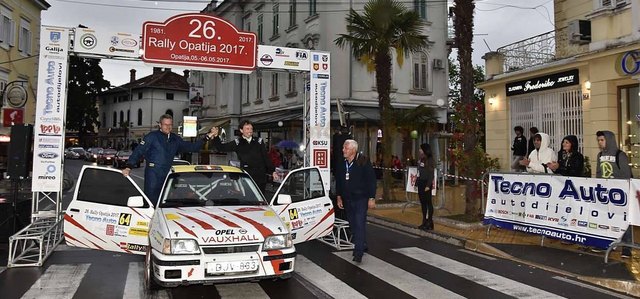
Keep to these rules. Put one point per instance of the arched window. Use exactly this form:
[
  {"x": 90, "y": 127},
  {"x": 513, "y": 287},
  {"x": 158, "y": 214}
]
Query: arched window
[
  {"x": 420, "y": 72},
  {"x": 121, "y": 117},
  {"x": 139, "y": 117},
  {"x": 169, "y": 111},
  {"x": 115, "y": 119}
]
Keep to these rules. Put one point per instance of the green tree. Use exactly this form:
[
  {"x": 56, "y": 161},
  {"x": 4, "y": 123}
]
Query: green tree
[
  {"x": 421, "y": 118},
  {"x": 471, "y": 156},
  {"x": 85, "y": 82},
  {"x": 384, "y": 25},
  {"x": 477, "y": 117}
]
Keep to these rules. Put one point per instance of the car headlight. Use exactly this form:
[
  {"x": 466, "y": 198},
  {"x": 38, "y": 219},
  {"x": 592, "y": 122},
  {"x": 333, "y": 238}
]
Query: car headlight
[
  {"x": 180, "y": 246},
  {"x": 277, "y": 242}
]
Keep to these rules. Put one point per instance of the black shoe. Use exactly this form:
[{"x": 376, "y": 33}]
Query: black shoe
[
  {"x": 626, "y": 253},
  {"x": 430, "y": 225},
  {"x": 357, "y": 258},
  {"x": 422, "y": 227}
]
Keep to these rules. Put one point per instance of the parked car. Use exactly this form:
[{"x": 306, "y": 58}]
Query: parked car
[
  {"x": 105, "y": 156},
  {"x": 210, "y": 225},
  {"x": 121, "y": 158},
  {"x": 92, "y": 154},
  {"x": 75, "y": 153}
]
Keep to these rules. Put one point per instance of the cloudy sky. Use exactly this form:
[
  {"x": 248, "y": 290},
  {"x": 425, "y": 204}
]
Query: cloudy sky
[{"x": 497, "y": 23}]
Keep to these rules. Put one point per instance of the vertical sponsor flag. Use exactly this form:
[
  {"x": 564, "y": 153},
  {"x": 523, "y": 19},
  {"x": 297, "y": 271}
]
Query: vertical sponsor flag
[
  {"x": 320, "y": 113},
  {"x": 50, "y": 109}
]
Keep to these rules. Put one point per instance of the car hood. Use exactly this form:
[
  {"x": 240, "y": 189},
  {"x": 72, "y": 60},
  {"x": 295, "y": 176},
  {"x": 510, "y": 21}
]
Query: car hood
[{"x": 222, "y": 225}]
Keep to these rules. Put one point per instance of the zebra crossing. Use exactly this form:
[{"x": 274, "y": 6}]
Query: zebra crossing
[{"x": 330, "y": 274}]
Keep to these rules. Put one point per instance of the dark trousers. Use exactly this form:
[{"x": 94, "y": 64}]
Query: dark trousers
[
  {"x": 357, "y": 217},
  {"x": 425, "y": 202},
  {"x": 153, "y": 180}
]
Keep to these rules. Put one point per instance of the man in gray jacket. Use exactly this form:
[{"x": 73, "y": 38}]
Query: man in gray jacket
[{"x": 613, "y": 164}]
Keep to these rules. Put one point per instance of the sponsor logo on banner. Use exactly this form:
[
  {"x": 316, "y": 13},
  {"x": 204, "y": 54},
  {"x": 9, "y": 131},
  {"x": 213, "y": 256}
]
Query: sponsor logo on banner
[
  {"x": 320, "y": 114},
  {"x": 48, "y": 155},
  {"x": 588, "y": 208}
]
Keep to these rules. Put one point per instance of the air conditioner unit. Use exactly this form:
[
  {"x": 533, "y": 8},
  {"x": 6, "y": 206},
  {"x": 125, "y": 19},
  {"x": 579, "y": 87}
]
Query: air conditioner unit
[
  {"x": 437, "y": 64},
  {"x": 579, "y": 32}
]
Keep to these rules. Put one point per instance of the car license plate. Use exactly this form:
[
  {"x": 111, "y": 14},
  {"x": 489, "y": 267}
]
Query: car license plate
[{"x": 226, "y": 267}]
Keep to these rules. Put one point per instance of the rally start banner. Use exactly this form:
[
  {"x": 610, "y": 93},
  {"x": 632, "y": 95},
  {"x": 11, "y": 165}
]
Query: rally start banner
[{"x": 593, "y": 212}]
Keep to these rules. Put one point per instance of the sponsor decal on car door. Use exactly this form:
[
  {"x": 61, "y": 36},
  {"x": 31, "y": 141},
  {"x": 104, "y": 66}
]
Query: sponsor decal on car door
[
  {"x": 310, "y": 214},
  {"x": 99, "y": 216}
]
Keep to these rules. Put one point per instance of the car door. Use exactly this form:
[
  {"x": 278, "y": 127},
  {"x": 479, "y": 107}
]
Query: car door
[
  {"x": 99, "y": 216},
  {"x": 310, "y": 214}
]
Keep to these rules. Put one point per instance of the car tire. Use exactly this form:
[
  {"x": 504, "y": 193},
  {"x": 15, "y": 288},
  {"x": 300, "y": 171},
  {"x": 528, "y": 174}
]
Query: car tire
[{"x": 149, "y": 282}]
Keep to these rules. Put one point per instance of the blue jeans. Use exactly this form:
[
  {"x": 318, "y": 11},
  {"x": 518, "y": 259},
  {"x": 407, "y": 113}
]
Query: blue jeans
[{"x": 357, "y": 217}]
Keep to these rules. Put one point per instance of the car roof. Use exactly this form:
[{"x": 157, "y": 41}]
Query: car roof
[{"x": 205, "y": 168}]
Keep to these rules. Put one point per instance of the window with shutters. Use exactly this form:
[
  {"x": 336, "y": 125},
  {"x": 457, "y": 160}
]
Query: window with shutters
[
  {"x": 7, "y": 28},
  {"x": 24, "y": 39}
]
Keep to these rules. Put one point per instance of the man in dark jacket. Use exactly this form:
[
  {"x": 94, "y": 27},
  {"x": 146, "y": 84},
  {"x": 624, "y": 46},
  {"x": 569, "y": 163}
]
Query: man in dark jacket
[
  {"x": 355, "y": 190},
  {"x": 613, "y": 163},
  {"x": 158, "y": 148},
  {"x": 250, "y": 150},
  {"x": 519, "y": 149}
]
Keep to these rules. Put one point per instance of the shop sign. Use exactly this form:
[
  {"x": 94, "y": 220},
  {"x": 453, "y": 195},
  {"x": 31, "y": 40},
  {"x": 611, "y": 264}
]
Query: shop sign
[
  {"x": 551, "y": 81},
  {"x": 628, "y": 64}
]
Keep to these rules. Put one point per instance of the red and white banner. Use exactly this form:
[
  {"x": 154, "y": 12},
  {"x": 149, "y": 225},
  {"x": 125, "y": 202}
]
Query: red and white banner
[
  {"x": 201, "y": 41},
  {"x": 320, "y": 114},
  {"x": 51, "y": 103}
]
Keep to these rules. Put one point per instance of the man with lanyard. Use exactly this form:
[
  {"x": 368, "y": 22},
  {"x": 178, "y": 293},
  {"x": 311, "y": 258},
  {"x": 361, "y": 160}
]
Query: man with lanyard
[
  {"x": 158, "y": 148},
  {"x": 356, "y": 190},
  {"x": 251, "y": 151}
]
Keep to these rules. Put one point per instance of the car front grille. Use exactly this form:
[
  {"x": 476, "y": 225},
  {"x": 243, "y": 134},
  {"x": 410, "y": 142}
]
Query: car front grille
[{"x": 230, "y": 249}]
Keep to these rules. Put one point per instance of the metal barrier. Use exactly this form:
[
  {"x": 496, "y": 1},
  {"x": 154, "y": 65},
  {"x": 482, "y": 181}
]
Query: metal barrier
[
  {"x": 339, "y": 238},
  {"x": 32, "y": 245}
]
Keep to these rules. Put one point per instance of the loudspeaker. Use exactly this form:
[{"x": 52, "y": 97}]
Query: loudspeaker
[{"x": 19, "y": 159}]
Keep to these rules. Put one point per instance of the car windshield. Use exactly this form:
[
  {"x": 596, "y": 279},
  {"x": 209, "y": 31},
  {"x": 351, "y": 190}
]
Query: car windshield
[
  {"x": 124, "y": 153},
  {"x": 109, "y": 152},
  {"x": 78, "y": 150},
  {"x": 194, "y": 189}
]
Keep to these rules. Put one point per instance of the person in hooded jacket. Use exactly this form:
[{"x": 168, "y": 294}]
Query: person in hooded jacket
[
  {"x": 570, "y": 161},
  {"x": 424, "y": 183},
  {"x": 541, "y": 155},
  {"x": 613, "y": 163}
]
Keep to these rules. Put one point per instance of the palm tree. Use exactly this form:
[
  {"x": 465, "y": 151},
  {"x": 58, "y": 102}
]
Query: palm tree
[
  {"x": 383, "y": 26},
  {"x": 463, "y": 25}
]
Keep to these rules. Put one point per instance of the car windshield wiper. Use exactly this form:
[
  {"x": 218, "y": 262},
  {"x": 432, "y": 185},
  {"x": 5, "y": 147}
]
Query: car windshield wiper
[{"x": 183, "y": 202}]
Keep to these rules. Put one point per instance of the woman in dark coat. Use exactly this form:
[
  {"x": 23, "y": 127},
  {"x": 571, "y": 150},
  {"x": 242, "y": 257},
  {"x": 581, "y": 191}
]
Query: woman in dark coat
[
  {"x": 424, "y": 183},
  {"x": 570, "y": 161}
]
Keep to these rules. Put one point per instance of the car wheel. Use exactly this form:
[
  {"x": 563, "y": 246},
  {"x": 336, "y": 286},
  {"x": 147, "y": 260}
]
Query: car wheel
[{"x": 149, "y": 282}]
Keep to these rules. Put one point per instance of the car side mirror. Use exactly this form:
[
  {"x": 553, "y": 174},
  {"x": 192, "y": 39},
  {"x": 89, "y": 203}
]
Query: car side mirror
[
  {"x": 135, "y": 201},
  {"x": 283, "y": 199}
]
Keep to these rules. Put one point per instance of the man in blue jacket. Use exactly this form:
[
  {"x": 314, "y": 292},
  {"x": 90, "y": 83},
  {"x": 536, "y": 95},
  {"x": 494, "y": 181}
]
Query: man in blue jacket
[
  {"x": 158, "y": 148},
  {"x": 356, "y": 190}
]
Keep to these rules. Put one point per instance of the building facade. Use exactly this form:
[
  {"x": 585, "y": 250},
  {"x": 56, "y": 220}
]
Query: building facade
[
  {"x": 274, "y": 99},
  {"x": 19, "y": 35},
  {"x": 581, "y": 78},
  {"x": 130, "y": 111}
]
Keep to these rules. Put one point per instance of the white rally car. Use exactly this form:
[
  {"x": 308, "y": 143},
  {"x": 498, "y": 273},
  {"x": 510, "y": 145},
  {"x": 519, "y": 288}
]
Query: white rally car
[{"x": 211, "y": 223}]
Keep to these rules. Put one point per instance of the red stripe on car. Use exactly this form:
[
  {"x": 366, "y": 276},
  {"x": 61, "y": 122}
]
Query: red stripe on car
[
  {"x": 323, "y": 219},
  {"x": 186, "y": 229},
  {"x": 221, "y": 219},
  {"x": 261, "y": 228},
  {"x": 74, "y": 239},
  {"x": 203, "y": 224},
  {"x": 275, "y": 263},
  {"x": 74, "y": 222},
  {"x": 123, "y": 248}
]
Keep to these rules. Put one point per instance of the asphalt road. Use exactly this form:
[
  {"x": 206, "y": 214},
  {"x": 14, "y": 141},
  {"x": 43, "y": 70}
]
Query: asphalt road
[{"x": 398, "y": 265}]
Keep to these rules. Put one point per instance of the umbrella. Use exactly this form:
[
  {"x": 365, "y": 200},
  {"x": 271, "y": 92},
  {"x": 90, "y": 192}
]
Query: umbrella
[{"x": 287, "y": 144}]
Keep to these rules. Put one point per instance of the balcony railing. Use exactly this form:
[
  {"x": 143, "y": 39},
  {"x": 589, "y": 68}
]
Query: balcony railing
[{"x": 529, "y": 52}]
